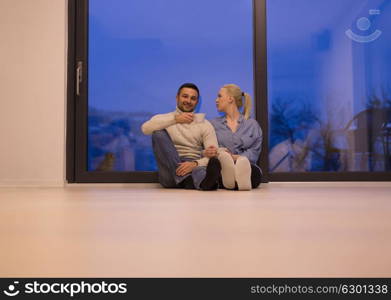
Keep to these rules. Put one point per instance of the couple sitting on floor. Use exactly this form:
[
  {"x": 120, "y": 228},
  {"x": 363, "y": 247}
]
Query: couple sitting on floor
[{"x": 189, "y": 155}]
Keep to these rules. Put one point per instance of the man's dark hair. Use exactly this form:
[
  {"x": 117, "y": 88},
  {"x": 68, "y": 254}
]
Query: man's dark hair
[{"x": 190, "y": 86}]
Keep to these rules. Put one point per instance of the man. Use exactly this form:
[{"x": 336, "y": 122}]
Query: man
[{"x": 178, "y": 139}]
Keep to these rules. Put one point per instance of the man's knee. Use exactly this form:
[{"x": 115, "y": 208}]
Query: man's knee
[{"x": 159, "y": 136}]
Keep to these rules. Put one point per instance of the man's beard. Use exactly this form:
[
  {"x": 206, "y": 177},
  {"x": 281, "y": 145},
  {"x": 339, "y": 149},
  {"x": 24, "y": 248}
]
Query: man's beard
[{"x": 183, "y": 109}]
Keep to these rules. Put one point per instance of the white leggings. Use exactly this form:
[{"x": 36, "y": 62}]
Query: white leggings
[{"x": 231, "y": 172}]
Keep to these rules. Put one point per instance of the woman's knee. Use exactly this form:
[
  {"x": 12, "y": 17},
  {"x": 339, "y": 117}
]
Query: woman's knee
[
  {"x": 243, "y": 173},
  {"x": 242, "y": 159},
  {"x": 227, "y": 170}
]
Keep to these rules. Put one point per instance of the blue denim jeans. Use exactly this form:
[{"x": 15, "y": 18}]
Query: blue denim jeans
[{"x": 168, "y": 160}]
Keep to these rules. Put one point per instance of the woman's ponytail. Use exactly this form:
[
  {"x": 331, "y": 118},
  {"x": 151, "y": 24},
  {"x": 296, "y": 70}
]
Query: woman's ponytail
[
  {"x": 241, "y": 99},
  {"x": 247, "y": 106}
]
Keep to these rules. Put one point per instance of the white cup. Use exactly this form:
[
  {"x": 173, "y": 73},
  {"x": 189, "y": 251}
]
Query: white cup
[{"x": 199, "y": 118}]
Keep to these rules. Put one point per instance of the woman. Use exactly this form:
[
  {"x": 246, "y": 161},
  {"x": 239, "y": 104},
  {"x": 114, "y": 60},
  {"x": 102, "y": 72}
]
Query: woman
[{"x": 239, "y": 138}]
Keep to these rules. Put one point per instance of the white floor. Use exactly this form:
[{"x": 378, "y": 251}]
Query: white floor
[{"x": 140, "y": 230}]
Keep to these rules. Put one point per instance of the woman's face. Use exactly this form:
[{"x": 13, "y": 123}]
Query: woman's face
[{"x": 223, "y": 100}]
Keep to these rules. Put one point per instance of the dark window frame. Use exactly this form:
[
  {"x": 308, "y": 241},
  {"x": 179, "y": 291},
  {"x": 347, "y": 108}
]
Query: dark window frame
[
  {"x": 260, "y": 81},
  {"x": 77, "y": 107}
]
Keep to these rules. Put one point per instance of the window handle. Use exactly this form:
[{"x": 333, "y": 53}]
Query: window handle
[{"x": 79, "y": 76}]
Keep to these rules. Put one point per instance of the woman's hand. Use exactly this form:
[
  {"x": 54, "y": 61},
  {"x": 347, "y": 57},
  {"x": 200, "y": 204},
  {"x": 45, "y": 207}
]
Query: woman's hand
[
  {"x": 211, "y": 151},
  {"x": 186, "y": 167}
]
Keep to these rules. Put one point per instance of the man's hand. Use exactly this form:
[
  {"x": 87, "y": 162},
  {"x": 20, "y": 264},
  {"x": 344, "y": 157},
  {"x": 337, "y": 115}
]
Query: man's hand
[
  {"x": 211, "y": 151},
  {"x": 186, "y": 117},
  {"x": 186, "y": 167}
]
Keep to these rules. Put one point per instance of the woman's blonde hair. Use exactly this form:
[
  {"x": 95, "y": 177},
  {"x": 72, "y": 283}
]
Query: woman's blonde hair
[{"x": 235, "y": 91}]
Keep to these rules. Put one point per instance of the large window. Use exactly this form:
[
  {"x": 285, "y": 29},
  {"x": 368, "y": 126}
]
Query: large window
[
  {"x": 319, "y": 72},
  {"x": 329, "y": 87},
  {"x": 140, "y": 52}
]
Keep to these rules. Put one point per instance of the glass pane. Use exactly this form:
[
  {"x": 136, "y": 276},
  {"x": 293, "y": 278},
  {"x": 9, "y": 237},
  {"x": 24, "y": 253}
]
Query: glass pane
[
  {"x": 140, "y": 52},
  {"x": 329, "y": 68}
]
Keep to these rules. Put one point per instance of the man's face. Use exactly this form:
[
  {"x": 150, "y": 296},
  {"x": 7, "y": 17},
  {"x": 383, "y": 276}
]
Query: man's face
[{"x": 187, "y": 99}]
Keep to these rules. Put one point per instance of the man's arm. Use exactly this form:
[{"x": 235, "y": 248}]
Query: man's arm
[
  {"x": 208, "y": 139},
  {"x": 158, "y": 122}
]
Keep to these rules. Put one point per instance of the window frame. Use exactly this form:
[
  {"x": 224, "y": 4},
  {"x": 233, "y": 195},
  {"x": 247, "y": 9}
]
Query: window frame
[{"x": 77, "y": 110}]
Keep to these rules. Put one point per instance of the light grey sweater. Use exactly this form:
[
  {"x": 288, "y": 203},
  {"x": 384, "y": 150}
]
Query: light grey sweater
[{"x": 189, "y": 139}]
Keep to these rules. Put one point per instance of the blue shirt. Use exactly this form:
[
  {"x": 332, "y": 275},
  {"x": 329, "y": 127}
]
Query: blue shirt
[{"x": 246, "y": 141}]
